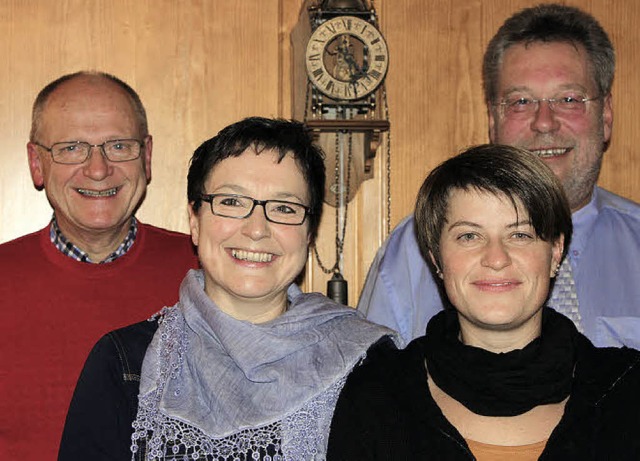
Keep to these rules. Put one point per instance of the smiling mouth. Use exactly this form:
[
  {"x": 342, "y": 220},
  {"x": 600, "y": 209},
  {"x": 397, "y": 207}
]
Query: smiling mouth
[
  {"x": 252, "y": 256},
  {"x": 486, "y": 285},
  {"x": 98, "y": 193},
  {"x": 549, "y": 153}
]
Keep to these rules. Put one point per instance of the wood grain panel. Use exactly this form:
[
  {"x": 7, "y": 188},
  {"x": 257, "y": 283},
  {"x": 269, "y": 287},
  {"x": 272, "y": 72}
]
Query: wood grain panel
[
  {"x": 444, "y": 51},
  {"x": 197, "y": 65},
  {"x": 202, "y": 64},
  {"x": 433, "y": 94}
]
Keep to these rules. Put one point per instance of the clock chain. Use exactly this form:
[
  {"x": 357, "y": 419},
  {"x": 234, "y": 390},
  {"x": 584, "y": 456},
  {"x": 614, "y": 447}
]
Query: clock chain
[
  {"x": 340, "y": 233},
  {"x": 387, "y": 161}
]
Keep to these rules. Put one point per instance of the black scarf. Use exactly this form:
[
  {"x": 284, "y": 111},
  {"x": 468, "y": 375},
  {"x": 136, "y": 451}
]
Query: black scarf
[{"x": 504, "y": 384}]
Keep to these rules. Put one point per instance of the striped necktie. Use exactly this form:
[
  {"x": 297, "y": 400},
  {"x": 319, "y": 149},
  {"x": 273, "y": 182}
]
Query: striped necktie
[{"x": 564, "y": 298}]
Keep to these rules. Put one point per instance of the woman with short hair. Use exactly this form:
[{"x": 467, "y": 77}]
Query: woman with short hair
[
  {"x": 245, "y": 366},
  {"x": 497, "y": 376}
]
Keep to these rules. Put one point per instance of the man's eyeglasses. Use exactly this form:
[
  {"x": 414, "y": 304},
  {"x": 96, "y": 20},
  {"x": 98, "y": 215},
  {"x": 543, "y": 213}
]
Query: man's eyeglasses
[
  {"x": 240, "y": 206},
  {"x": 523, "y": 107},
  {"x": 75, "y": 152}
]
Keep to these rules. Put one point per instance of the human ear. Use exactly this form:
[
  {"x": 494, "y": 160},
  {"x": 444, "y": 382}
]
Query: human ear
[
  {"x": 194, "y": 224},
  {"x": 492, "y": 125},
  {"x": 435, "y": 264},
  {"x": 607, "y": 117},
  {"x": 557, "y": 248},
  {"x": 148, "y": 148},
  {"x": 35, "y": 166}
]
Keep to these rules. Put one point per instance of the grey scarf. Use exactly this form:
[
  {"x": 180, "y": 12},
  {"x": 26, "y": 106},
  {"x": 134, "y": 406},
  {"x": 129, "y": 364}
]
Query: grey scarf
[{"x": 238, "y": 387}]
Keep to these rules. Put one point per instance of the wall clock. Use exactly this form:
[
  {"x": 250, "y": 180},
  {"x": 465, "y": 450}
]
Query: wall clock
[
  {"x": 346, "y": 58},
  {"x": 340, "y": 65}
]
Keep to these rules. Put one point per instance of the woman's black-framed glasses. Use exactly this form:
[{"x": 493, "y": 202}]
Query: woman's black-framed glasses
[{"x": 240, "y": 207}]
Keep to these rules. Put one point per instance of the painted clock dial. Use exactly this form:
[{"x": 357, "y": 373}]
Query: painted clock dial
[{"x": 346, "y": 58}]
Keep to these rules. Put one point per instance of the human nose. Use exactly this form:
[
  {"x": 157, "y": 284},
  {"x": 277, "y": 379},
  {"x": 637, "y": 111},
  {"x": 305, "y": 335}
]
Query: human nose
[
  {"x": 496, "y": 256},
  {"x": 97, "y": 167},
  {"x": 255, "y": 225},
  {"x": 544, "y": 118}
]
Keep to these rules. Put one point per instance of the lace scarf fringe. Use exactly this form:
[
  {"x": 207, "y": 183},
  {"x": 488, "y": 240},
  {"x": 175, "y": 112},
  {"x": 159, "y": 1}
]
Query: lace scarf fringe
[{"x": 300, "y": 436}]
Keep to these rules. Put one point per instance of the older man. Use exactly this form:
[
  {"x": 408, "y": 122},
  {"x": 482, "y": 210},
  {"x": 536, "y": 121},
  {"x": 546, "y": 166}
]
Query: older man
[
  {"x": 93, "y": 268},
  {"x": 547, "y": 78}
]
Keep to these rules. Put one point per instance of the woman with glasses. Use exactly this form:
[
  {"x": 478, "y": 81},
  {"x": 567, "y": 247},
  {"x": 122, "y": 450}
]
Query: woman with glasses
[
  {"x": 245, "y": 366},
  {"x": 497, "y": 376}
]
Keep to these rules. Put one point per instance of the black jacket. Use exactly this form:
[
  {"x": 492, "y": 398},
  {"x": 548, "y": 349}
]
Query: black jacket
[
  {"x": 385, "y": 411},
  {"x": 113, "y": 367}
]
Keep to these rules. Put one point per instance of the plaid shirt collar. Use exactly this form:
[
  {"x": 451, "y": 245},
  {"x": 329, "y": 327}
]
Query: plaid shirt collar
[{"x": 67, "y": 248}]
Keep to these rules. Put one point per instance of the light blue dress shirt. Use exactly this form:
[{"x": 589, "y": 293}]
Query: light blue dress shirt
[{"x": 401, "y": 293}]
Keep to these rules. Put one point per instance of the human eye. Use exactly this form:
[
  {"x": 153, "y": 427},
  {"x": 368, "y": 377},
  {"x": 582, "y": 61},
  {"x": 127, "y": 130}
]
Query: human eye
[
  {"x": 69, "y": 152},
  {"x": 120, "y": 145},
  {"x": 67, "y": 147},
  {"x": 230, "y": 201},
  {"x": 522, "y": 237},
  {"x": 121, "y": 149},
  {"x": 570, "y": 101},
  {"x": 519, "y": 103},
  {"x": 232, "y": 206},
  {"x": 285, "y": 212},
  {"x": 285, "y": 208},
  {"x": 467, "y": 237}
]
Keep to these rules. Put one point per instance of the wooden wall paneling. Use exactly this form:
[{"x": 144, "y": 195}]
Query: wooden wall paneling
[
  {"x": 434, "y": 102},
  {"x": 621, "y": 163},
  {"x": 198, "y": 65},
  {"x": 22, "y": 208},
  {"x": 170, "y": 54},
  {"x": 365, "y": 231},
  {"x": 440, "y": 58},
  {"x": 431, "y": 109},
  {"x": 366, "y": 217},
  {"x": 201, "y": 64},
  {"x": 216, "y": 63}
]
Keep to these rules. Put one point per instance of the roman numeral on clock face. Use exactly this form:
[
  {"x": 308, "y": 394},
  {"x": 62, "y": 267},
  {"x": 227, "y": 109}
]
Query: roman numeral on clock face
[{"x": 339, "y": 54}]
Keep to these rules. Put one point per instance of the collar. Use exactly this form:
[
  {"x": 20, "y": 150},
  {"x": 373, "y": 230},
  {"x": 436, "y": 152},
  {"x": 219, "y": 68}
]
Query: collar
[
  {"x": 66, "y": 247},
  {"x": 203, "y": 362}
]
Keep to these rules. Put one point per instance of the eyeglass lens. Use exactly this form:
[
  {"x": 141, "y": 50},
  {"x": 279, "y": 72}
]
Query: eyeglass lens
[
  {"x": 236, "y": 206},
  {"x": 120, "y": 150}
]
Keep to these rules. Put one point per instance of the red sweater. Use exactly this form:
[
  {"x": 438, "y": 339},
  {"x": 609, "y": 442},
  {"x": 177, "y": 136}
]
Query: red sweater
[{"x": 54, "y": 309}]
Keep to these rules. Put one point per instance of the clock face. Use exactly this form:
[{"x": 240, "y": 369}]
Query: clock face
[{"x": 347, "y": 58}]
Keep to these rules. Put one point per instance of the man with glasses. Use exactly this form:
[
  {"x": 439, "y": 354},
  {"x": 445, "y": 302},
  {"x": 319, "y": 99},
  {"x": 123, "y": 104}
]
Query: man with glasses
[
  {"x": 547, "y": 77},
  {"x": 95, "y": 267}
]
